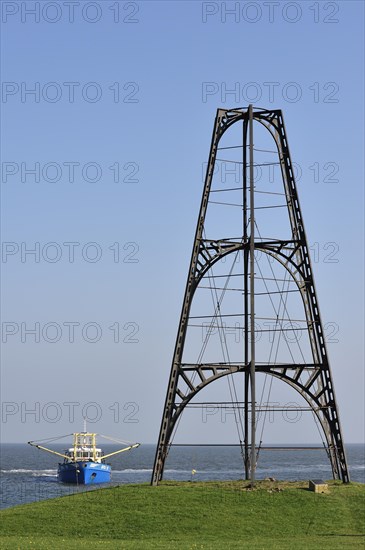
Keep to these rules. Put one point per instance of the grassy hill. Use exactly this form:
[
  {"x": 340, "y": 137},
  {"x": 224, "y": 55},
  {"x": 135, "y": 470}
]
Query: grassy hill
[{"x": 212, "y": 515}]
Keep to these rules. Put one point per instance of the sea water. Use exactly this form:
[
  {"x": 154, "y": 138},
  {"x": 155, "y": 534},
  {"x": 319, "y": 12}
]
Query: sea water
[{"x": 29, "y": 475}]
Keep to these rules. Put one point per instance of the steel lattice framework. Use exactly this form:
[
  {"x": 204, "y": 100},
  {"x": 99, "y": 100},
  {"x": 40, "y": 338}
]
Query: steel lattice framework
[{"x": 312, "y": 379}]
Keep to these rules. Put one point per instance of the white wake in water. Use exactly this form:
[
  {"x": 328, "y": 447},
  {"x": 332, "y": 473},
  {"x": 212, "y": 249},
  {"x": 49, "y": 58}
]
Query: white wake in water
[{"x": 32, "y": 472}]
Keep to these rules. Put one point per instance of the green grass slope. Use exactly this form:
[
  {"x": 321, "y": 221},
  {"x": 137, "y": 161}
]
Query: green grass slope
[{"x": 214, "y": 515}]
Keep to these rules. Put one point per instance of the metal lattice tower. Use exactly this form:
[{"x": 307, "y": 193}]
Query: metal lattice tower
[{"x": 310, "y": 376}]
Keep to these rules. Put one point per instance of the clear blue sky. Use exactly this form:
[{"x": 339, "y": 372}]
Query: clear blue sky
[{"x": 142, "y": 91}]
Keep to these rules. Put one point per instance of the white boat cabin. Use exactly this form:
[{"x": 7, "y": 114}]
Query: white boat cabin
[
  {"x": 83, "y": 454},
  {"x": 84, "y": 449}
]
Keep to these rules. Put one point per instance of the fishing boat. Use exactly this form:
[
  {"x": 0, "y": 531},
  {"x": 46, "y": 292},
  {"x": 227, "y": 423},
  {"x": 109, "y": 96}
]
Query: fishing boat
[{"x": 84, "y": 463}]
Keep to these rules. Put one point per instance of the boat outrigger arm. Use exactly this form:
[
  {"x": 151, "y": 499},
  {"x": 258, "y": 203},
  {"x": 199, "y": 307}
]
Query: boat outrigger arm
[
  {"x": 34, "y": 444},
  {"x": 122, "y": 450}
]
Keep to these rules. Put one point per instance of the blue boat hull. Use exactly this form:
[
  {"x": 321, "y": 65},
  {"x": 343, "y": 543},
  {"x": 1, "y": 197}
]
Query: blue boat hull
[{"x": 84, "y": 473}]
